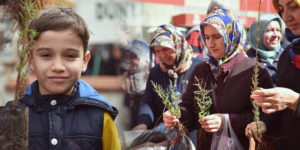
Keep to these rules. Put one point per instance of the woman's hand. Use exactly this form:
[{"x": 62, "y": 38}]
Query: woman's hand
[
  {"x": 251, "y": 130},
  {"x": 212, "y": 123},
  {"x": 275, "y": 99},
  {"x": 169, "y": 120},
  {"x": 140, "y": 127}
]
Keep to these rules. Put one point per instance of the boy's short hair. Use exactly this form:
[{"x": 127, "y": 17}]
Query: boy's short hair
[{"x": 61, "y": 18}]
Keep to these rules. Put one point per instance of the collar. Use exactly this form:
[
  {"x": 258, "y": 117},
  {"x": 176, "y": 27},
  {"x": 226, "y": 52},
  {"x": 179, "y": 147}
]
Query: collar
[
  {"x": 49, "y": 101},
  {"x": 235, "y": 60}
]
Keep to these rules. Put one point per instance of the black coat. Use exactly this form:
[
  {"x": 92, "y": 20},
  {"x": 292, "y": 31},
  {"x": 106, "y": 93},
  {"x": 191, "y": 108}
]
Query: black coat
[
  {"x": 65, "y": 122},
  {"x": 287, "y": 122}
]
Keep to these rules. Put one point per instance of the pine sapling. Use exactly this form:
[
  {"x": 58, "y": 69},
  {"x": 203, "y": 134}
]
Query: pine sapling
[
  {"x": 14, "y": 121},
  {"x": 29, "y": 10},
  {"x": 255, "y": 80},
  {"x": 203, "y": 99},
  {"x": 170, "y": 98},
  {"x": 255, "y": 109}
]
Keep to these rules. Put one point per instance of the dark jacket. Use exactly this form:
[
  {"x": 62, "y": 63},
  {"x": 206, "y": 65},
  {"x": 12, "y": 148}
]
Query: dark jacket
[
  {"x": 272, "y": 68},
  {"x": 287, "y": 122},
  {"x": 151, "y": 108},
  {"x": 66, "y": 122},
  {"x": 232, "y": 95}
]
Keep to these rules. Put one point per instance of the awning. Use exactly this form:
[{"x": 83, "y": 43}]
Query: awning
[{"x": 187, "y": 20}]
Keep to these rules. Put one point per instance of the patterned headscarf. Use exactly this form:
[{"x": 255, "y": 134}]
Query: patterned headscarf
[
  {"x": 265, "y": 53},
  {"x": 169, "y": 36},
  {"x": 233, "y": 33}
]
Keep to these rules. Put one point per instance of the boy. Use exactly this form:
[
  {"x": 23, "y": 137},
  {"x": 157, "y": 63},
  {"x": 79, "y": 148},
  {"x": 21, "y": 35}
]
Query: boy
[{"x": 65, "y": 113}]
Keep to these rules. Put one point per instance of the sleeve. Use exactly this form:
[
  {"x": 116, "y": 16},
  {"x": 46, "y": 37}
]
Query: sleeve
[
  {"x": 146, "y": 115},
  {"x": 110, "y": 138}
]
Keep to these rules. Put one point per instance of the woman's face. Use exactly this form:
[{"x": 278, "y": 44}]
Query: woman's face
[
  {"x": 289, "y": 12},
  {"x": 165, "y": 55},
  {"x": 272, "y": 35},
  {"x": 214, "y": 42}
]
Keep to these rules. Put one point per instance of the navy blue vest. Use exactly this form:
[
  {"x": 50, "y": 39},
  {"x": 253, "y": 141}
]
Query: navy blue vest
[{"x": 63, "y": 122}]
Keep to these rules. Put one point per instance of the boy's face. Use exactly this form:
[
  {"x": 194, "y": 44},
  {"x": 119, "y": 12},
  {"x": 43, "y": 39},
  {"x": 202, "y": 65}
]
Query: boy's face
[{"x": 58, "y": 60}]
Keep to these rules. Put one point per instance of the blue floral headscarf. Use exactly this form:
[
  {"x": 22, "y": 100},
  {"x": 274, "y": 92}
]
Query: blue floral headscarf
[
  {"x": 169, "y": 36},
  {"x": 233, "y": 33}
]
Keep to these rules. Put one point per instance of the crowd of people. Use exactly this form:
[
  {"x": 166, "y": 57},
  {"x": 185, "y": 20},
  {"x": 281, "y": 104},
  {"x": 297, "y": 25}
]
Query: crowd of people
[{"x": 67, "y": 113}]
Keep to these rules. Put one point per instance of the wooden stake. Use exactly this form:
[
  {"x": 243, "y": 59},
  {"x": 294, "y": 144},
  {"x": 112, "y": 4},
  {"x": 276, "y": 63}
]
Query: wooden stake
[{"x": 252, "y": 142}]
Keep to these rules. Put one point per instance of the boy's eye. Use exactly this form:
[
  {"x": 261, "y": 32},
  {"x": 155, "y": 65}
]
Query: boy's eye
[
  {"x": 45, "y": 55},
  {"x": 71, "y": 56}
]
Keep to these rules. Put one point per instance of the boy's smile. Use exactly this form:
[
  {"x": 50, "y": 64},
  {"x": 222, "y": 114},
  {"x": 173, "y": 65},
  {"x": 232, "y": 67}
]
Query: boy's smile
[
  {"x": 58, "y": 60},
  {"x": 58, "y": 78}
]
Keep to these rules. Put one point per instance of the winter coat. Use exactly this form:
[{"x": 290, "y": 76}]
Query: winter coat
[
  {"x": 232, "y": 95},
  {"x": 82, "y": 120}
]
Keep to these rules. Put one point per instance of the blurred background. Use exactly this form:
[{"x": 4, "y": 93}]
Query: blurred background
[{"x": 114, "y": 23}]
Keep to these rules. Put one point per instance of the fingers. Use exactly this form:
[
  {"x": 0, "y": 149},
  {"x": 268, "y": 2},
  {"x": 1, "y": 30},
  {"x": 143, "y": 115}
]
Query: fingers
[
  {"x": 268, "y": 110},
  {"x": 264, "y": 100},
  {"x": 140, "y": 127},
  {"x": 171, "y": 124},
  {"x": 264, "y": 96},
  {"x": 168, "y": 117},
  {"x": 211, "y": 123},
  {"x": 211, "y": 128},
  {"x": 169, "y": 120},
  {"x": 250, "y": 131},
  {"x": 256, "y": 136},
  {"x": 269, "y": 99},
  {"x": 264, "y": 92}
]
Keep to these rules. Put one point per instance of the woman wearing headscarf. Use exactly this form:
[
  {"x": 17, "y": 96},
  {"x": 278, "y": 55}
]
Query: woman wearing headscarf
[
  {"x": 176, "y": 62},
  {"x": 285, "y": 98},
  {"x": 227, "y": 72},
  {"x": 135, "y": 67},
  {"x": 269, "y": 48}
]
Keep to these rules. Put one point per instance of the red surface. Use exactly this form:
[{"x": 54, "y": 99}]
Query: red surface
[
  {"x": 251, "y": 5},
  {"x": 185, "y": 19}
]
